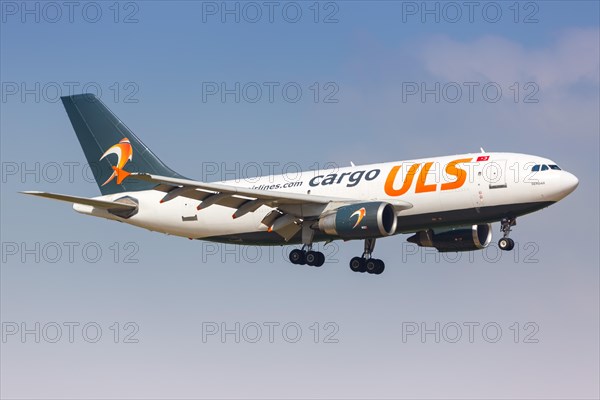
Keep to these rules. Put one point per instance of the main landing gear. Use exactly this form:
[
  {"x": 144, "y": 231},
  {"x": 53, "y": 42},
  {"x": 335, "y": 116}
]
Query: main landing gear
[
  {"x": 308, "y": 256},
  {"x": 506, "y": 243},
  {"x": 366, "y": 263},
  {"x": 304, "y": 257}
]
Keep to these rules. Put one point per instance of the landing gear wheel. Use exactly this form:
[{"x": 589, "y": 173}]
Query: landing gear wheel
[
  {"x": 506, "y": 244},
  {"x": 313, "y": 258},
  {"x": 367, "y": 263},
  {"x": 512, "y": 244},
  {"x": 297, "y": 257},
  {"x": 358, "y": 264},
  {"x": 320, "y": 259},
  {"x": 375, "y": 266},
  {"x": 372, "y": 265},
  {"x": 380, "y": 267}
]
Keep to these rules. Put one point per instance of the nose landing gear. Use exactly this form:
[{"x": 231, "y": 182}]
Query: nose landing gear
[
  {"x": 366, "y": 263},
  {"x": 506, "y": 243}
]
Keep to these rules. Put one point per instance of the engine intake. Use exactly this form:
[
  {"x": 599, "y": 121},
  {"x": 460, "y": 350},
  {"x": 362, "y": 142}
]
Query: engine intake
[
  {"x": 360, "y": 221},
  {"x": 462, "y": 238}
]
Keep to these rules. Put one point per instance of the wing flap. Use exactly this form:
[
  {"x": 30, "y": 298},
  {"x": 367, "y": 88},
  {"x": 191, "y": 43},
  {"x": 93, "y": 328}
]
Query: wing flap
[{"x": 203, "y": 196}]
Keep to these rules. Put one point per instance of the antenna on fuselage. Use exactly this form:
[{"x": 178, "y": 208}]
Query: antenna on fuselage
[
  {"x": 482, "y": 150},
  {"x": 352, "y": 164}
]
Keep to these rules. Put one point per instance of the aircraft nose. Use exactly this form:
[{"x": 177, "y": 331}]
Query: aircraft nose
[{"x": 569, "y": 182}]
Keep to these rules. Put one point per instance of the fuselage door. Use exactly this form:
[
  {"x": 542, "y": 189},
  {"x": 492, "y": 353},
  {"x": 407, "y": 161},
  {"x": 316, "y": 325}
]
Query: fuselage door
[{"x": 494, "y": 174}]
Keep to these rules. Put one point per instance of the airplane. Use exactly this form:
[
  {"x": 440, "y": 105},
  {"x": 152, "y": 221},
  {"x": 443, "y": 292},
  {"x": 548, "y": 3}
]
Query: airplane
[{"x": 448, "y": 203}]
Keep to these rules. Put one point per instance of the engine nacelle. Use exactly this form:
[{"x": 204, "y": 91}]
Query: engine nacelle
[
  {"x": 462, "y": 238},
  {"x": 360, "y": 221}
]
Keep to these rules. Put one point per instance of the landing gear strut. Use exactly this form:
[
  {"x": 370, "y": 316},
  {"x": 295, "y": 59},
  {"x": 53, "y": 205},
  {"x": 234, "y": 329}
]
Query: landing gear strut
[
  {"x": 506, "y": 243},
  {"x": 366, "y": 263},
  {"x": 306, "y": 255}
]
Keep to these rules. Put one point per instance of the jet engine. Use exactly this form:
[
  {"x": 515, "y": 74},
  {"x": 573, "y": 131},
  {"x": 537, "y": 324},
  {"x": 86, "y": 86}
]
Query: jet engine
[
  {"x": 360, "y": 221},
  {"x": 461, "y": 238}
]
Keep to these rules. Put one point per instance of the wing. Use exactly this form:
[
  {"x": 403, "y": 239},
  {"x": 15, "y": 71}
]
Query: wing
[{"x": 246, "y": 200}]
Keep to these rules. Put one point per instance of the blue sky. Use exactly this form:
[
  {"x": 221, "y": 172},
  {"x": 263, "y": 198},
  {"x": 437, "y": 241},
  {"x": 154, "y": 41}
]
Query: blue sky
[{"x": 153, "y": 74}]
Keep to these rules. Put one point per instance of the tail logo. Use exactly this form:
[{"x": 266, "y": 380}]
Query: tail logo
[
  {"x": 361, "y": 214},
  {"x": 124, "y": 153}
]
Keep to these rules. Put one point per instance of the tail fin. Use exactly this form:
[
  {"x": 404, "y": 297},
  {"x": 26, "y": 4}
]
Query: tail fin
[{"x": 111, "y": 149}]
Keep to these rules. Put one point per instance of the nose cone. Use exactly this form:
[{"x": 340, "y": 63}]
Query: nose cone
[
  {"x": 559, "y": 186},
  {"x": 568, "y": 182}
]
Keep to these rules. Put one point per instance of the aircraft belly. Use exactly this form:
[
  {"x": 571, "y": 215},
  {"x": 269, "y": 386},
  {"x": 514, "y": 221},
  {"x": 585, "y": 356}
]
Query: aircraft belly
[{"x": 406, "y": 223}]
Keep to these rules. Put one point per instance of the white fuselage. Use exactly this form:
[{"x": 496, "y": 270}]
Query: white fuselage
[{"x": 450, "y": 190}]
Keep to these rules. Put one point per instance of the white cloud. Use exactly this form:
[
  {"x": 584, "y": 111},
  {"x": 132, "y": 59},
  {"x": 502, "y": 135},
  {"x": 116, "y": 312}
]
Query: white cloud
[{"x": 574, "y": 58}]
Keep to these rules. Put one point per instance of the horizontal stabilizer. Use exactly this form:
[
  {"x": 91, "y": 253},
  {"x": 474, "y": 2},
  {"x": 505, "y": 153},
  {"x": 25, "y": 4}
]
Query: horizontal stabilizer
[{"x": 104, "y": 204}]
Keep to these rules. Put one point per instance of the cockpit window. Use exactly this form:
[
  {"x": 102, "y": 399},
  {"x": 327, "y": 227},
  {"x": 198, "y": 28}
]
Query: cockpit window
[{"x": 544, "y": 167}]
